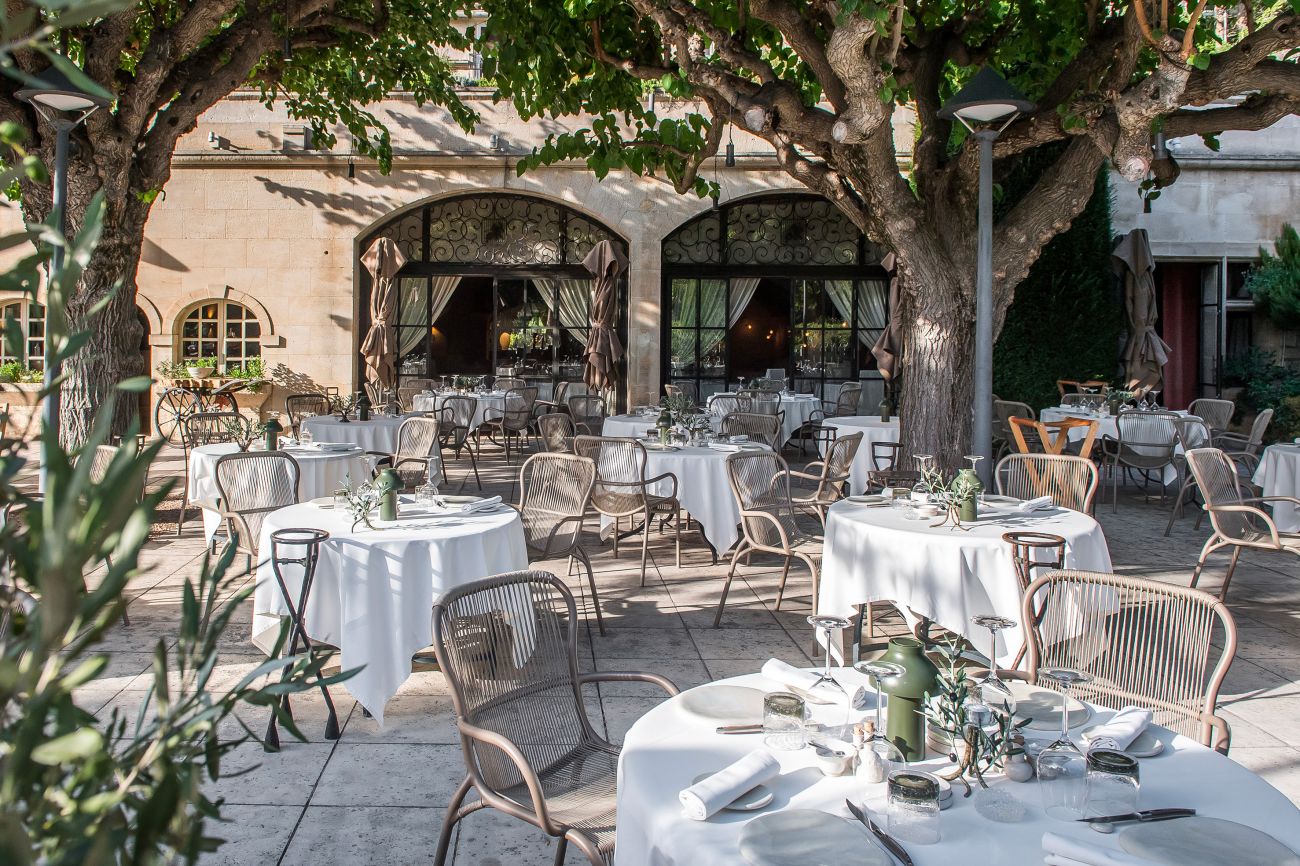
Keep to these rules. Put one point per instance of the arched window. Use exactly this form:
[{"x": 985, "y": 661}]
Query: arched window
[
  {"x": 30, "y": 316},
  {"x": 225, "y": 331}
]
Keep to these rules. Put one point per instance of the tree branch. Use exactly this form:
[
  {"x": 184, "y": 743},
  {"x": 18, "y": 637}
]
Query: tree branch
[{"x": 802, "y": 37}]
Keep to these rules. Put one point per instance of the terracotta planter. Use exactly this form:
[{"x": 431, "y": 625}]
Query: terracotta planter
[{"x": 253, "y": 403}]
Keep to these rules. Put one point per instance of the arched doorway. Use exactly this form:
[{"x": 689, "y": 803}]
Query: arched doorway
[
  {"x": 782, "y": 281},
  {"x": 493, "y": 281}
]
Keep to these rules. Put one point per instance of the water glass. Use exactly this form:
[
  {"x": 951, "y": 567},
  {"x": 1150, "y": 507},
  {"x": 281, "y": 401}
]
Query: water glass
[
  {"x": 426, "y": 495},
  {"x": 784, "y": 718},
  {"x": 304, "y": 436},
  {"x": 341, "y": 500},
  {"x": 1112, "y": 783},
  {"x": 913, "y": 808}
]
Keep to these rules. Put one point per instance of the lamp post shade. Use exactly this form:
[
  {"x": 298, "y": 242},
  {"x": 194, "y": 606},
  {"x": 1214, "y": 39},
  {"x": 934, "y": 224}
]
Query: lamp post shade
[
  {"x": 54, "y": 89},
  {"x": 985, "y": 98}
]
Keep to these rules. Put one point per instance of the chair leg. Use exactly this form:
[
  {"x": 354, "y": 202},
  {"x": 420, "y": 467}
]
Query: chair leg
[
  {"x": 591, "y": 580},
  {"x": 677, "y": 526},
  {"x": 586, "y": 846},
  {"x": 1227, "y": 578},
  {"x": 726, "y": 587},
  {"x": 645, "y": 543},
  {"x": 561, "y": 848},
  {"x": 449, "y": 822},
  {"x": 1177, "y": 510},
  {"x": 1208, "y": 548},
  {"x": 180, "y": 516},
  {"x": 780, "y": 590}
]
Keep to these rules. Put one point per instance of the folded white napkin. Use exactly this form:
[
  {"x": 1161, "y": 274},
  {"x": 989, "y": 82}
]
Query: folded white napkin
[
  {"x": 1036, "y": 504},
  {"x": 1067, "y": 851},
  {"x": 723, "y": 446},
  {"x": 736, "y": 440},
  {"x": 792, "y": 677},
  {"x": 1122, "y": 729},
  {"x": 707, "y": 797},
  {"x": 481, "y": 505}
]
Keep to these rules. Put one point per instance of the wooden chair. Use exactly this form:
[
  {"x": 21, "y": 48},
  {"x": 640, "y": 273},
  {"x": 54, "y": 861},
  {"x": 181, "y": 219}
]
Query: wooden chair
[
  {"x": 759, "y": 428},
  {"x": 831, "y": 478},
  {"x": 508, "y": 646},
  {"x": 1070, "y": 481},
  {"x": 1073, "y": 386},
  {"x": 555, "y": 490},
  {"x": 1142, "y": 641},
  {"x": 1050, "y": 437}
]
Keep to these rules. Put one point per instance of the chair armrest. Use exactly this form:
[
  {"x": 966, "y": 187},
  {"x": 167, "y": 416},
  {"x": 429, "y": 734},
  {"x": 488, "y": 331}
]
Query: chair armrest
[
  {"x": 1255, "y": 512},
  {"x": 1232, "y": 439},
  {"x": 546, "y": 548},
  {"x": 796, "y": 474},
  {"x": 780, "y": 530},
  {"x": 629, "y": 677},
  {"x": 664, "y": 477},
  {"x": 526, "y": 772},
  {"x": 1293, "y": 500},
  {"x": 382, "y": 458}
]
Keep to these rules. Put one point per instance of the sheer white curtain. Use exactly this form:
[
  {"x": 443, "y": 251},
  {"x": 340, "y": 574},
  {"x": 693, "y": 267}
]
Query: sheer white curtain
[
  {"x": 742, "y": 292},
  {"x": 872, "y": 305},
  {"x": 572, "y": 300},
  {"x": 412, "y": 308}
]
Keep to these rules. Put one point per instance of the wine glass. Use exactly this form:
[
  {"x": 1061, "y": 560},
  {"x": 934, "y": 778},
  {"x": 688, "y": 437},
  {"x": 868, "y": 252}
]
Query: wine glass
[
  {"x": 1062, "y": 768},
  {"x": 974, "y": 461},
  {"x": 993, "y": 689},
  {"x": 877, "y": 671},
  {"x": 828, "y": 624}
]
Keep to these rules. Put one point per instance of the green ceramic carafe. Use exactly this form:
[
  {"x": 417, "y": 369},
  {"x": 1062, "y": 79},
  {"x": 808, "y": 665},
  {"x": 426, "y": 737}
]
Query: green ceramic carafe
[
  {"x": 388, "y": 484},
  {"x": 968, "y": 508},
  {"x": 905, "y": 727},
  {"x": 272, "y": 429}
]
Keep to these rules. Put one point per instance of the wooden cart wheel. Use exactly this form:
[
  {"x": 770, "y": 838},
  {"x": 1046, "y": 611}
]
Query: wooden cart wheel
[{"x": 173, "y": 405}]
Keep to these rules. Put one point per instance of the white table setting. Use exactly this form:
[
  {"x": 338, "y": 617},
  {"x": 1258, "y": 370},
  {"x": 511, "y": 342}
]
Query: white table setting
[
  {"x": 1193, "y": 429},
  {"x": 379, "y": 433},
  {"x": 1278, "y": 474},
  {"x": 374, "y": 588},
  {"x": 495, "y": 400},
  {"x": 322, "y": 469},
  {"x": 798, "y": 409},
  {"x": 688, "y": 794},
  {"x": 637, "y": 425},
  {"x": 872, "y": 430},
  {"x": 878, "y": 551}
]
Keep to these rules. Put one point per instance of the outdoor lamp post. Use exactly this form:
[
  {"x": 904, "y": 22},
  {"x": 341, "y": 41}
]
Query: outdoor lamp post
[
  {"x": 985, "y": 106},
  {"x": 63, "y": 105}
]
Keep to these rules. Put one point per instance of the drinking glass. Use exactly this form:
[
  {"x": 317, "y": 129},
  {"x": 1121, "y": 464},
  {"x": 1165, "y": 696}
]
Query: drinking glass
[
  {"x": 994, "y": 691},
  {"x": 877, "y": 671},
  {"x": 433, "y": 472},
  {"x": 1112, "y": 785},
  {"x": 784, "y": 718},
  {"x": 913, "y": 808},
  {"x": 831, "y": 625},
  {"x": 974, "y": 461},
  {"x": 304, "y": 435},
  {"x": 1062, "y": 768}
]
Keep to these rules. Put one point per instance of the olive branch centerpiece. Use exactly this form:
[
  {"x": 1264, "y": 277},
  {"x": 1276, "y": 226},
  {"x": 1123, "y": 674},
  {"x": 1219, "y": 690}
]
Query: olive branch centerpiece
[
  {"x": 361, "y": 500},
  {"x": 241, "y": 432},
  {"x": 950, "y": 493}
]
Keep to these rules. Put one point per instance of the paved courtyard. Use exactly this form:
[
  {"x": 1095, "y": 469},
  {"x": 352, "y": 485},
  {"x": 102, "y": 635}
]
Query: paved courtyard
[{"x": 377, "y": 796}]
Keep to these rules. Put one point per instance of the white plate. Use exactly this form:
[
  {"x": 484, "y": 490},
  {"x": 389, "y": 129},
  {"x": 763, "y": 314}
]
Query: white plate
[
  {"x": 323, "y": 501},
  {"x": 752, "y": 800},
  {"x": 1044, "y": 707},
  {"x": 1201, "y": 841},
  {"x": 996, "y": 499},
  {"x": 728, "y": 705},
  {"x": 867, "y": 499},
  {"x": 805, "y": 837},
  {"x": 1147, "y": 744}
]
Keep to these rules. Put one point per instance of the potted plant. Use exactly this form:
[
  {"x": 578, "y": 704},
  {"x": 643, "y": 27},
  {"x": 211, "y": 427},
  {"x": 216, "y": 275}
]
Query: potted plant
[
  {"x": 201, "y": 368},
  {"x": 257, "y": 385},
  {"x": 172, "y": 371},
  {"x": 20, "y": 388}
]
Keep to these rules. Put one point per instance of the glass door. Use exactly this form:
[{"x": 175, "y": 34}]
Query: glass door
[{"x": 1210, "y": 350}]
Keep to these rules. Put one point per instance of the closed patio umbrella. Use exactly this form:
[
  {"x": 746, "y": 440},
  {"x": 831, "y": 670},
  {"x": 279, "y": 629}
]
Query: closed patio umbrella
[
  {"x": 606, "y": 263},
  {"x": 889, "y": 345},
  {"x": 1145, "y": 354},
  {"x": 383, "y": 259}
]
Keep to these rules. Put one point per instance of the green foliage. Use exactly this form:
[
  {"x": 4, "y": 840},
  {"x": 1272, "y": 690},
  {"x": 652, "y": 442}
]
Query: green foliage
[
  {"x": 172, "y": 370},
  {"x": 17, "y": 371},
  {"x": 1066, "y": 319},
  {"x": 1264, "y": 384},
  {"x": 253, "y": 368},
  {"x": 1275, "y": 281}
]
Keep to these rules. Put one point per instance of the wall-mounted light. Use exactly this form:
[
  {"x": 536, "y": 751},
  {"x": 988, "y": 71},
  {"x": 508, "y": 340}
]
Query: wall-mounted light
[
  {"x": 497, "y": 142},
  {"x": 731, "y": 155},
  {"x": 214, "y": 140},
  {"x": 352, "y": 169}
]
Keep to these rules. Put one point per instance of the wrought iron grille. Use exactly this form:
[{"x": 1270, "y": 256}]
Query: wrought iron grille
[{"x": 780, "y": 230}]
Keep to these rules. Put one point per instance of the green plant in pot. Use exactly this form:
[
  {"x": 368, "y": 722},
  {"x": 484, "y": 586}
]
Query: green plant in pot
[{"x": 201, "y": 368}]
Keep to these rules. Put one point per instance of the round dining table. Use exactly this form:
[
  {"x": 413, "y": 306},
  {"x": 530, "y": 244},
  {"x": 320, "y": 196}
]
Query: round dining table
[
  {"x": 877, "y": 552},
  {"x": 377, "y": 434},
  {"x": 1278, "y": 474},
  {"x": 321, "y": 471},
  {"x": 872, "y": 430},
  {"x": 669, "y": 746},
  {"x": 489, "y": 400},
  {"x": 798, "y": 410},
  {"x": 639, "y": 426},
  {"x": 373, "y": 591}
]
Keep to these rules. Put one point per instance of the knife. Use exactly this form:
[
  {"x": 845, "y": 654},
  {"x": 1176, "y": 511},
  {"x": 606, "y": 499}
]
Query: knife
[
  {"x": 886, "y": 841},
  {"x": 739, "y": 729},
  {"x": 1148, "y": 815}
]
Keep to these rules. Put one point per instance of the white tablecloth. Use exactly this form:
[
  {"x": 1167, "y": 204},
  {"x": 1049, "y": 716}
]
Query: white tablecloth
[
  {"x": 1278, "y": 474},
  {"x": 945, "y": 574},
  {"x": 702, "y": 489},
  {"x": 635, "y": 426},
  {"x": 433, "y": 403},
  {"x": 1107, "y": 426},
  {"x": 320, "y": 473},
  {"x": 798, "y": 408},
  {"x": 872, "y": 430},
  {"x": 377, "y": 434},
  {"x": 668, "y": 747},
  {"x": 374, "y": 589}
]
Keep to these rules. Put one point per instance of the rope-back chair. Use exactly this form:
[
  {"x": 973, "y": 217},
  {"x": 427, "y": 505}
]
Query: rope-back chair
[
  {"x": 422, "y": 382},
  {"x": 1246, "y": 449},
  {"x": 760, "y": 482},
  {"x": 417, "y": 442},
  {"x": 406, "y": 396},
  {"x": 1065, "y": 387},
  {"x": 1146, "y": 443},
  {"x": 1070, "y": 481},
  {"x": 588, "y": 413},
  {"x": 828, "y": 478},
  {"x": 765, "y": 403},
  {"x": 687, "y": 388},
  {"x": 251, "y": 485},
  {"x": 508, "y": 646},
  {"x": 769, "y": 385},
  {"x": 300, "y": 406},
  {"x": 623, "y": 490},
  {"x": 456, "y": 430},
  {"x": 1143, "y": 642},
  {"x": 846, "y": 401},
  {"x": 203, "y": 428},
  {"x": 1238, "y": 521},
  {"x": 509, "y": 383},
  {"x": 556, "y": 432},
  {"x": 759, "y": 428},
  {"x": 555, "y": 491},
  {"x": 512, "y": 420},
  {"x": 560, "y": 398},
  {"x": 1193, "y": 432},
  {"x": 724, "y": 404},
  {"x": 1217, "y": 414}
]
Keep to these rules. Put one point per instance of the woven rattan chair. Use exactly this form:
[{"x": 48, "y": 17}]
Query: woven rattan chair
[
  {"x": 556, "y": 432},
  {"x": 724, "y": 404},
  {"x": 760, "y": 482},
  {"x": 1070, "y": 481},
  {"x": 588, "y": 413},
  {"x": 846, "y": 402},
  {"x": 456, "y": 431},
  {"x": 555, "y": 492},
  {"x": 511, "y": 422},
  {"x": 769, "y": 385},
  {"x": 406, "y": 396},
  {"x": 1142, "y": 641},
  {"x": 829, "y": 478},
  {"x": 1003, "y": 412},
  {"x": 623, "y": 490},
  {"x": 560, "y": 403},
  {"x": 508, "y": 646},
  {"x": 1192, "y": 433},
  {"x": 251, "y": 485},
  {"x": 687, "y": 388},
  {"x": 509, "y": 383},
  {"x": 300, "y": 406},
  {"x": 1239, "y": 522},
  {"x": 203, "y": 428},
  {"x": 1077, "y": 399},
  {"x": 1246, "y": 449},
  {"x": 1146, "y": 444},
  {"x": 1217, "y": 414},
  {"x": 759, "y": 428},
  {"x": 417, "y": 444}
]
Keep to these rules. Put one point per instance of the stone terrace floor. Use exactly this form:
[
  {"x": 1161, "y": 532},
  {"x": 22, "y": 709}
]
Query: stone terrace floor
[{"x": 378, "y": 796}]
